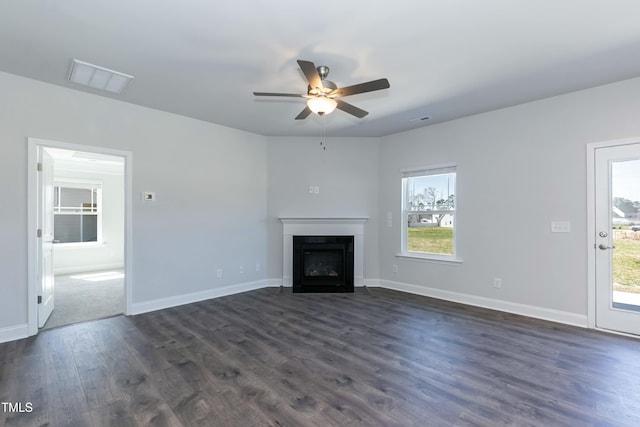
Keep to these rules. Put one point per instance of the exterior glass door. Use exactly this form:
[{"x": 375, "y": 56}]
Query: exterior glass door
[{"x": 617, "y": 238}]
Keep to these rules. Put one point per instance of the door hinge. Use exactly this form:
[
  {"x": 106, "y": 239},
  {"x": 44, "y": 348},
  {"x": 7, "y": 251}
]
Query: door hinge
[
  {"x": 39, "y": 299},
  {"x": 39, "y": 166},
  {"x": 39, "y": 232}
]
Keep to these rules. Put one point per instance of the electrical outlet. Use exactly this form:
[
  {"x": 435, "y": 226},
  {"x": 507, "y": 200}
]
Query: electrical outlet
[
  {"x": 219, "y": 273},
  {"x": 394, "y": 268},
  {"x": 561, "y": 227},
  {"x": 497, "y": 282},
  {"x": 241, "y": 269},
  {"x": 257, "y": 267}
]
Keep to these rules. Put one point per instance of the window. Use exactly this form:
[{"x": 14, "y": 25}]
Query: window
[
  {"x": 429, "y": 212},
  {"x": 77, "y": 212}
]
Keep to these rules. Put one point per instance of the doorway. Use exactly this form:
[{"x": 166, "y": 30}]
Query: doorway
[
  {"x": 615, "y": 230},
  {"x": 80, "y": 213}
]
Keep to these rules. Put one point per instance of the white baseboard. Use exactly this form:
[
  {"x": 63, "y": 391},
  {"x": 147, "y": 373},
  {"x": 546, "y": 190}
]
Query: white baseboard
[
  {"x": 162, "y": 303},
  {"x": 274, "y": 283},
  {"x": 372, "y": 283},
  {"x": 13, "y": 333},
  {"x": 494, "y": 304}
]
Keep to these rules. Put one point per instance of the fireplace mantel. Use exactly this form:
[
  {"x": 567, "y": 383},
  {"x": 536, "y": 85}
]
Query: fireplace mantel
[
  {"x": 332, "y": 226},
  {"x": 331, "y": 220}
]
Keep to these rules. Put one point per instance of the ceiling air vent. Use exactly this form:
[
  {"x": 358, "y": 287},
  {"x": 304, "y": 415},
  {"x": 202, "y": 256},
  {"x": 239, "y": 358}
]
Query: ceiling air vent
[{"x": 96, "y": 77}]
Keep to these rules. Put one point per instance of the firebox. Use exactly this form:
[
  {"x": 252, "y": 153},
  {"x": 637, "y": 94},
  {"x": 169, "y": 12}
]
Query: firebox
[{"x": 322, "y": 263}]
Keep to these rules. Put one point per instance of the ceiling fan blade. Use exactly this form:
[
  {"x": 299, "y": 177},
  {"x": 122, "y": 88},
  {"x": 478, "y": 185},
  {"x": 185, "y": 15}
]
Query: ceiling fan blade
[
  {"x": 351, "y": 109},
  {"x": 363, "y": 87},
  {"x": 303, "y": 114},
  {"x": 310, "y": 72},
  {"x": 294, "y": 95}
]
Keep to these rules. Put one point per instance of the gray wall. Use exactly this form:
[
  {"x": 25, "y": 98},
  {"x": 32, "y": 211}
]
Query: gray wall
[
  {"x": 347, "y": 174},
  {"x": 518, "y": 169},
  {"x": 210, "y": 184},
  {"x": 220, "y": 191}
]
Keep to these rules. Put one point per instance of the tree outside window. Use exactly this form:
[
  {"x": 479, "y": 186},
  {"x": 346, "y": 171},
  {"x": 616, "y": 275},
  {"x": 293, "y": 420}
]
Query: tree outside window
[{"x": 429, "y": 210}]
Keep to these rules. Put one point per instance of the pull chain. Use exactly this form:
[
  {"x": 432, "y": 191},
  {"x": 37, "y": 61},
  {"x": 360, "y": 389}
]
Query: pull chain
[{"x": 323, "y": 135}]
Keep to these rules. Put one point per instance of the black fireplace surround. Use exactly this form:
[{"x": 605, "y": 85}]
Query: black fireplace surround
[{"x": 322, "y": 264}]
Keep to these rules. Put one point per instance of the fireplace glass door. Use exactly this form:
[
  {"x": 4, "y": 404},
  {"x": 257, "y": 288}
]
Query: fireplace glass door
[{"x": 323, "y": 264}]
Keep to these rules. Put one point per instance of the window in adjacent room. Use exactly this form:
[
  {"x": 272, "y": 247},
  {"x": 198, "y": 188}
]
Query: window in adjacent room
[
  {"x": 429, "y": 212},
  {"x": 77, "y": 212}
]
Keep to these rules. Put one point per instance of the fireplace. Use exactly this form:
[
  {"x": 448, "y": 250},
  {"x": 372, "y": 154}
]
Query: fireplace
[
  {"x": 323, "y": 263},
  {"x": 323, "y": 227}
]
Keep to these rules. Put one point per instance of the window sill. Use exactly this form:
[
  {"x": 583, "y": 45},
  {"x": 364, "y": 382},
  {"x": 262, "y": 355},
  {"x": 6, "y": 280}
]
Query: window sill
[{"x": 429, "y": 258}]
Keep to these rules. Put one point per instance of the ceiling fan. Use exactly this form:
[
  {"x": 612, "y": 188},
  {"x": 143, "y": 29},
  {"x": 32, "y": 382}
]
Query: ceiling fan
[{"x": 323, "y": 96}]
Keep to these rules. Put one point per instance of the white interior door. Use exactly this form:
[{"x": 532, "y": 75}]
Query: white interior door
[
  {"x": 45, "y": 240},
  {"x": 617, "y": 239}
]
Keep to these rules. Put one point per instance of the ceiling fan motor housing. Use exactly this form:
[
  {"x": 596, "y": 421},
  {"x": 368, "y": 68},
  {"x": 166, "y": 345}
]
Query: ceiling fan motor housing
[{"x": 327, "y": 85}]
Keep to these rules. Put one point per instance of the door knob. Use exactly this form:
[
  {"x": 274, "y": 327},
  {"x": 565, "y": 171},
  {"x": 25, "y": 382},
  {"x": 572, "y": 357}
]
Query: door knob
[{"x": 605, "y": 247}]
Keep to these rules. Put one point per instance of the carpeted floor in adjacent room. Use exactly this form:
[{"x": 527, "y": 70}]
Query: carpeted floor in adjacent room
[{"x": 82, "y": 297}]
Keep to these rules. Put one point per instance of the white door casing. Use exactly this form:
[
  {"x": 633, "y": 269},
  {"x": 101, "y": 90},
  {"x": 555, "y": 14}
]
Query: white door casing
[
  {"x": 34, "y": 145},
  {"x": 44, "y": 244}
]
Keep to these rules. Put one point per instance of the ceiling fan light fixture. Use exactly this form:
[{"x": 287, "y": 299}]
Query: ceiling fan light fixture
[{"x": 321, "y": 105}]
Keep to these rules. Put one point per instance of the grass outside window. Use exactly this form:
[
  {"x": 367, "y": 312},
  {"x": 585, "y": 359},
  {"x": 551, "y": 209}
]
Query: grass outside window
[
  {"x": 435, "y": 240},
  {"x": 626, "y": 265}
]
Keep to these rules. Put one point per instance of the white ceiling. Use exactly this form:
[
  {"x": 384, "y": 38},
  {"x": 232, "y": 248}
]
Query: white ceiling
[{"x": 444, "y": 59}]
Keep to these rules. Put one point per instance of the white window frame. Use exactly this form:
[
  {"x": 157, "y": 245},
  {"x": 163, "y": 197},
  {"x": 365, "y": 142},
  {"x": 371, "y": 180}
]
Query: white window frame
[
  {"x": 87, "y": 184},
  {"x": 419, "y": 172}
]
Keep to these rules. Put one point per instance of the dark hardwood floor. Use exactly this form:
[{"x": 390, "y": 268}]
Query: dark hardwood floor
[{"x": 268, "y": 359}]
